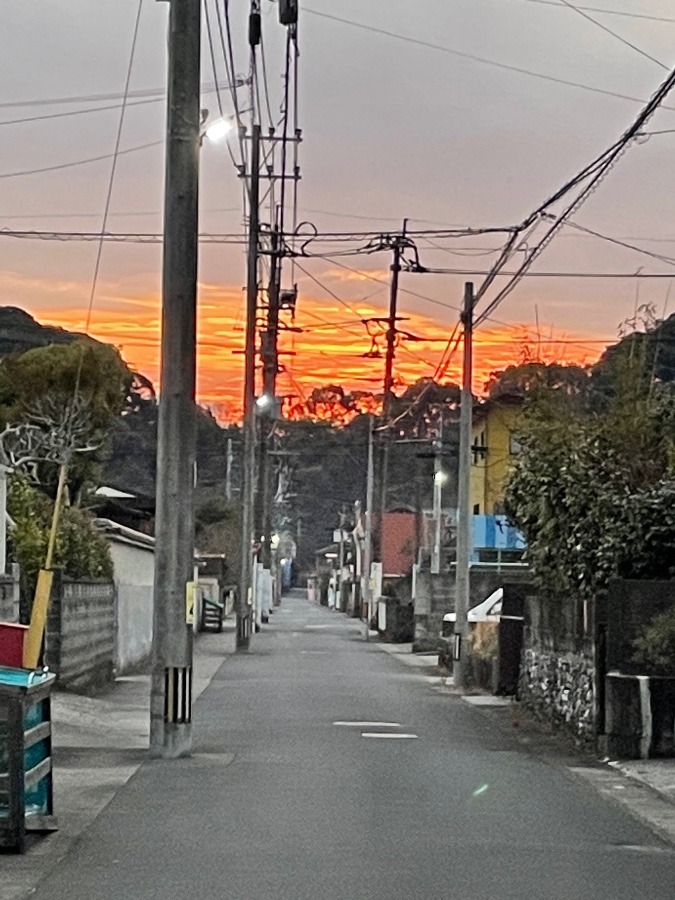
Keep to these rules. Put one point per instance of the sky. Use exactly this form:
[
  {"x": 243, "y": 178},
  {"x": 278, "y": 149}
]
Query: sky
[{"x": 392, "y": 129}]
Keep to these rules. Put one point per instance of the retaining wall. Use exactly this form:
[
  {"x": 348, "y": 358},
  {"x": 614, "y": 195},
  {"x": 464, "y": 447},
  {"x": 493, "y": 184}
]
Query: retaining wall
[{"x": 80, "y": 638}]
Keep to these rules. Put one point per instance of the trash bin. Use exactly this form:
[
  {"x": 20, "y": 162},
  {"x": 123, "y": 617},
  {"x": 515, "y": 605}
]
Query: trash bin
[{"x": 26, "y": 802}]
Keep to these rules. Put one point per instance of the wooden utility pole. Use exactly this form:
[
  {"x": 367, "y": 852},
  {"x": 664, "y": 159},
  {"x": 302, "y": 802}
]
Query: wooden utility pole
[
  {"x": 171, "y": 690},
  {"x": 245, "y": 597},
  {"x": 460, "y": 650},
  {"x": 388, "y": 391}
]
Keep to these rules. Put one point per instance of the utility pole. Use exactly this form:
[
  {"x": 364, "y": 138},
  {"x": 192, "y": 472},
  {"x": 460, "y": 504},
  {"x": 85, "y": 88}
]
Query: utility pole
[
  {"x": 270, "y": 361},
  {"x": 392, "y": 331},
  {"x": 171, "y": 690},
  {"x": 438, "y": 499},
  {"x": 460, "y": 649},
  {"x": 368, "y": 548},
  {"x": 341, "y": 560},
  {"x": 249, "y": 448},
  {"x": 229, "y": 459}
]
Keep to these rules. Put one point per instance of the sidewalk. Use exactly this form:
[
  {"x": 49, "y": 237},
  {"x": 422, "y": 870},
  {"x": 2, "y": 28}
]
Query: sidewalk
[
  {"x": 657, "y": 774},
  {"x": 99, "y": 744}
]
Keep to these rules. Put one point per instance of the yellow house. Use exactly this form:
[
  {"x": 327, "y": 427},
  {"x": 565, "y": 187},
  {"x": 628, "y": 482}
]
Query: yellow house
[{"x": 495, "y": 448}]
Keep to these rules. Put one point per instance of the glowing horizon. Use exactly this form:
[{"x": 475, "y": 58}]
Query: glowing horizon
[{"x": 333, "y": 347}]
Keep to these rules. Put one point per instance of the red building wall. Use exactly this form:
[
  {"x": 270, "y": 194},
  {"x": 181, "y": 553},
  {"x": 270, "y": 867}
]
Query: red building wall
[{"x": 398, "y": 543}]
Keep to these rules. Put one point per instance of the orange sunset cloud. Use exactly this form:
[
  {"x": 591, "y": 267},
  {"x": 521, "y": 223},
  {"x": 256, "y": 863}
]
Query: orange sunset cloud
[{"x": 332, "y": 345}]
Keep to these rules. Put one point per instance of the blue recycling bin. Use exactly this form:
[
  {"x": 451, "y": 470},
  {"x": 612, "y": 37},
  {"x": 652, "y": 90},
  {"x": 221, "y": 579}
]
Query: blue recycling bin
[{"x": 26, "y": 796}]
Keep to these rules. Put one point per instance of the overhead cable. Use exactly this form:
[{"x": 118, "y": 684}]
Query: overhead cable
[
  {"x": 614, "y": 34},
  {"x": 80, "y": 162},
  {"x": 589, "y": 179},
  {"x": 475, "y": 58},
  {"x": 608, "y": 12}
]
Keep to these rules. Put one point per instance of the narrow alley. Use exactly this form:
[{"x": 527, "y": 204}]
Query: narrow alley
[{"x": 326, "y": 768}]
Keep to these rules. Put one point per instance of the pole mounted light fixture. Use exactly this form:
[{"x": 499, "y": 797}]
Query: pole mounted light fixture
[{"x": 218, "y": 130}]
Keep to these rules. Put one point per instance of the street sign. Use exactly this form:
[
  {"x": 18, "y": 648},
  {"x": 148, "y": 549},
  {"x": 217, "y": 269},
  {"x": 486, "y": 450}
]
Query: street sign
[{"x": 190, "y": 596}]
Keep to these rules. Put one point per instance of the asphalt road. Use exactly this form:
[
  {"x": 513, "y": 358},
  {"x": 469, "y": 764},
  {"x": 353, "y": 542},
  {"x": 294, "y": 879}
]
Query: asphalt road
[{"x": 282, "y": 803}]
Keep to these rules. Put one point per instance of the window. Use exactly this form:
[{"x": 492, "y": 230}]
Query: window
[{"x": 515, "y": 447}]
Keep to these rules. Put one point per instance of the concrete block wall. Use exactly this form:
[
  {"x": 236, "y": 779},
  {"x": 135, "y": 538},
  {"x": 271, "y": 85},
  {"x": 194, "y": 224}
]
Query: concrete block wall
[
  {"x": 9, "y": 598},
  {"x": 80, "y": 638},
  {"x": 435, "y": 596}
]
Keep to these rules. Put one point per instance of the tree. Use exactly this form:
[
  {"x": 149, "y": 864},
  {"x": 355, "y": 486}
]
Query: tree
[
  {"x": 593, "y": 487},
  {"x": 81, "y": 550},
  {"x": 59, "y": 402},
  {"x": 94, "y": 372}
]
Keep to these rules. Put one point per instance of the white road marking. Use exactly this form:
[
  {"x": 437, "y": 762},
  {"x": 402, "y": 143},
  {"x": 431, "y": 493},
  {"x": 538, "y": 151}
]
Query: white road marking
[
  {"x": 390, "y": 735},
  {"x": 368, "y": 724}
]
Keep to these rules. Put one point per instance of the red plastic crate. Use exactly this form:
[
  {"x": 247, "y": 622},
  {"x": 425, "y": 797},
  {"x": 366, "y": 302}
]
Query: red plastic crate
[{"x": 11, "y": 644}]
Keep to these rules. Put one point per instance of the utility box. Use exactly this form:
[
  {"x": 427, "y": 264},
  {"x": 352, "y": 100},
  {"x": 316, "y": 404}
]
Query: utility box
[{"x": 26, "y": 800}]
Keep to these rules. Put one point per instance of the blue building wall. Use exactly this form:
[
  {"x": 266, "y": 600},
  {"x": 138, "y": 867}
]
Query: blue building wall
[{"x": 495, "y": 533}]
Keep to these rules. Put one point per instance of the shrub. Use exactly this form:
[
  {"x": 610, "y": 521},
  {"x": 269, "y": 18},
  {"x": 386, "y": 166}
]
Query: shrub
[{"x": 655, "y": 646}]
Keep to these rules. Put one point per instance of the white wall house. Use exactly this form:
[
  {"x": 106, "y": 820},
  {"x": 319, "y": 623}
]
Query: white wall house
[{"x": 133, "y": 556}]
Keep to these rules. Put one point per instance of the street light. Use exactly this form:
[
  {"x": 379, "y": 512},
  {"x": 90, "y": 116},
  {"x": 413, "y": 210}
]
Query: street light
[
  {"x": 218, "y": 130},
  {"x": 264, "y": 402}
]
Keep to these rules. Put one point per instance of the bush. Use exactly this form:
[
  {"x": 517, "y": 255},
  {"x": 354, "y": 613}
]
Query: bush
[
  {"x": 655, "y": 647},
  {"x": 81, "y": 550}
]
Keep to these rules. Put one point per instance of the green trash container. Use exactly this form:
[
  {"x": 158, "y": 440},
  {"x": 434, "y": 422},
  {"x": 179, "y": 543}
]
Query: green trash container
[{"x": 26, "y": 797}]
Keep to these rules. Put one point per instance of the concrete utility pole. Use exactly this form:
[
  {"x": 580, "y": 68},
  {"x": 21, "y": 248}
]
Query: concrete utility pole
[
  {"x": 249, "y": 449},
  {"x": 460, "y": 668},
  {"x": 438, "y": 500},
  {"x": 270, "y": 361},
  {"x": 368, "y": 542},
  {"x": 171, "y": 691},
  {"x": 229, "y": 459}
]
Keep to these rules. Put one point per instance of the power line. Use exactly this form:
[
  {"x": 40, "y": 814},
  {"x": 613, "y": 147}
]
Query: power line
[
  {"x": 212, "y": 55},
  {"x": 115, "y": 238},
  {"x": 80, "y": 162},
  {"x": 78, "y": 112},
  {"x": 607, "y": 12},
  {"x": 590, "y": 178},
  {"x": 111, "y": 180},
  {"x": 479, "y": 59},
  {"x": 124, "y": 215},
  {"x": 614, "y": 34},
  {"x": 328, "y": 291},
  {"x": 159, "y": 93},
  {"x": 504, "y": 274},
  {"x": 228, "y": 56},
  {"x": 612, "y": 240}
]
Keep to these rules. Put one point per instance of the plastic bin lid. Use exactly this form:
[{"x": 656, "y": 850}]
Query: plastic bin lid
[{"x": 22, "y": 677}]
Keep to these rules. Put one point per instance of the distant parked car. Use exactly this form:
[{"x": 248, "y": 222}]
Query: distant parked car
[{"x": 487, "y": 611}]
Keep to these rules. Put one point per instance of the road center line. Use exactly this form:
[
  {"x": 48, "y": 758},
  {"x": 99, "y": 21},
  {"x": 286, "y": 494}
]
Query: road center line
[
  {"x": 388, "y": 735},
  {"x": 368, "y": 724}
]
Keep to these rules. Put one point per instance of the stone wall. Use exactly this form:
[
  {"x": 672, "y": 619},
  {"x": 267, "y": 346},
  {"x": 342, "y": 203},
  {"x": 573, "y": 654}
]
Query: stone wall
[
  {"x": 558, "y": 687},
  {"x": 80, "y": 638}
]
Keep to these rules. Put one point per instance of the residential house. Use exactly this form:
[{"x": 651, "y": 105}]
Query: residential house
[{"x": 495, "y": 449}]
